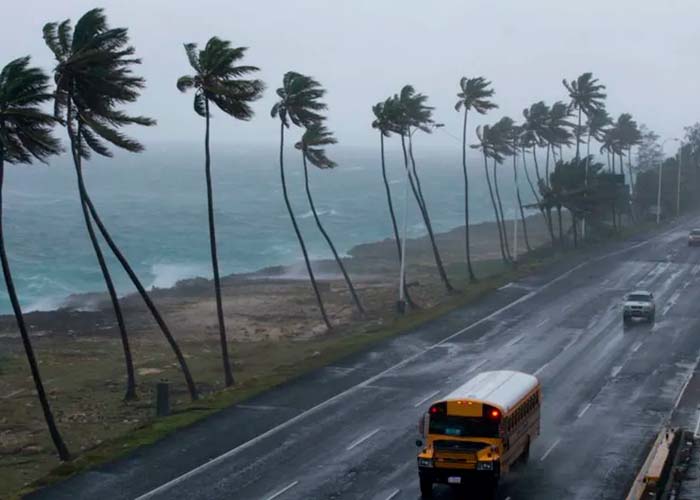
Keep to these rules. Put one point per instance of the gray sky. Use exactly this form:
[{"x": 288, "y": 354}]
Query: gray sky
[{"x": 364, "y": 50}]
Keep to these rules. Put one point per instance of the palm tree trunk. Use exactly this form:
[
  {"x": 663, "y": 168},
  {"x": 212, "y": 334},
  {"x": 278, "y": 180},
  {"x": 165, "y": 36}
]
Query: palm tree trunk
[
  {"x": 500, "y": 211},
  {"x": 537, "y": 167},
  {"x": 578, "y": 133},
  {"x": 319, "y": 300},
  {"x": 546, "y": 164},
  {"x": 61, "y": 448},
  {"x": 495, "y": 211},
  {"x": 537, "y": 198},
  {"x": 470, "y": 269},
  {"x": 586, "y": 175},
  {"x": 424, "y": 213},
  {"x": 191, "y": 387},
  {"x": 337, "y": 258},
  {"x": 392, "y": 214},
  {"x": 228, "y": 374},
  {"x": 74, "y": 137},
  {"x": 139, "y": 286},
  {"x": 561, "y": 230},
  {"x": 520, "y": 202}
]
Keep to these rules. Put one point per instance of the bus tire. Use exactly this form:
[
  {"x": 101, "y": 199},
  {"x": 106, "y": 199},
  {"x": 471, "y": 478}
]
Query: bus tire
[
  {"x": 525, "y": 456},
  {"x": 426, "y": 488}
]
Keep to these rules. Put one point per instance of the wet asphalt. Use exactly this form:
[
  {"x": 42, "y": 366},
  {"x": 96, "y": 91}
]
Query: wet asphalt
[{"x": 347, "y": 431}]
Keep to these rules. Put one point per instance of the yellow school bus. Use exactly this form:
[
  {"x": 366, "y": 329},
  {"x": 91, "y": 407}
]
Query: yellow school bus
[{"x": 480, "y": 431}]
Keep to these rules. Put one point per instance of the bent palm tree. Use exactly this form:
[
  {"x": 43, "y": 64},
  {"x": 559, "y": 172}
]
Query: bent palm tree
[
  {"x": 514, "y": 138},
  {"x": 491, "y": 145},
  {"x": 312, "y": 150},
  {"x": 93, "y": 77},
  {"x": 384, "y": 117},
  {"x": 475, "y": 95},
  {"x": 299, "y": 104},
  {"x": 414, "y": 114},
  {"x": 26, "y": 133},
  {"x": 587, "y": 96},
  {"x": 218, "y": 79}
]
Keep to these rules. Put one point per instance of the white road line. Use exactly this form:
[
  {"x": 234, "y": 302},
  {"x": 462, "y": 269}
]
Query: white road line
[
  {"x": 508, "y": 285},
  {"x": 541, "y": 368},
  {"x": 515, "y": 340},
  {"x": 392, "y": 494},
  {"x": 244, "y": 446},
  {"x": 615, "y": 371},
  {"x": 282, "y": 491},
  {"x": 362, "y": 439},
  {"x": 541, "y": 323},
  {"x": 697, "y": 427},
  {"x": 478, "y": 365},
  {"x": 636, "y": 346},
  {"x": 584, "y": 410},
  {"x": 549, "y": 450},
  {"x": 432, "y": 394}
]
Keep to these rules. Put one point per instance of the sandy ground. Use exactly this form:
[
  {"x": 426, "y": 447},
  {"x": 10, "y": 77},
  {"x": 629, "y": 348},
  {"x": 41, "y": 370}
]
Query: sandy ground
[{"x": 273, "y": 324}]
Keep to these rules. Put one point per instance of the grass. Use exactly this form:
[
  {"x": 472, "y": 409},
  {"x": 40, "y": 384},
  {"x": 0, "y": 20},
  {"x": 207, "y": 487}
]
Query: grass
[{"x": 259, "y": 367}]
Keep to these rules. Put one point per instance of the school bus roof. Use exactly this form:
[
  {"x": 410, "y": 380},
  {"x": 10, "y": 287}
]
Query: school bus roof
[{"x": 502, "y": 389}]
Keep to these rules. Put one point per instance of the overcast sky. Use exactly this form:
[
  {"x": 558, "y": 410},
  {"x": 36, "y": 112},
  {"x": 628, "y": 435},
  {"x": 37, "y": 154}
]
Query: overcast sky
[{"x": 364, "y": 50}]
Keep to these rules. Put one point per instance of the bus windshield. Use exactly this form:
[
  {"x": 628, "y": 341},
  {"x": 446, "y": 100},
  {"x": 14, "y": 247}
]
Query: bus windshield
[{"x": 450, "y": 425}]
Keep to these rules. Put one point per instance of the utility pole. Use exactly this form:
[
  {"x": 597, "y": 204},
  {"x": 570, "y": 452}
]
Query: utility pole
[{"x": 678, "y": 188}]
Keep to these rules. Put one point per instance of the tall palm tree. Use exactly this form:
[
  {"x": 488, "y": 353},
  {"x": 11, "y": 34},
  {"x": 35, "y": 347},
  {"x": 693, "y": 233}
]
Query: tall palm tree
[
  {"x": 597, "y": 122},
  {"x": 475, "y": 94},
  {"x": 300, "y": 105},
  {"x": 629, "y": 136},
  {"x": 312, "y": 150},
  {"x": 414, "y": 115},
  {"x": 218, "y": 79},
  {"x": 93, "y": 77},
  {"x": 514, "y": 139},
  {"x": 502, "y": 132},
  {"x": 586, "y": 96},
  {"x": 26, "y": 134},
  {"x": 492, "y": 143},
  {"x": 557, "y": 131},
  {"x": 385, "y": 114}
]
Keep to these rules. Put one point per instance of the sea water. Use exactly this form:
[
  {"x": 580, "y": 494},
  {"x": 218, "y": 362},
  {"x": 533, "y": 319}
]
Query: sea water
[{"x": 154, "y": 205}]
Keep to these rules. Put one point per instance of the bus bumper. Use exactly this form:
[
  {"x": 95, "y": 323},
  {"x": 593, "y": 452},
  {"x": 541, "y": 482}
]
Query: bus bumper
[{"x": 459, "y": 476}]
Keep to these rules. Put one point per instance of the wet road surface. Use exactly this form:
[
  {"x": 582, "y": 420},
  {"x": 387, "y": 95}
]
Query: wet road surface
[{"x": 347, "y": 431}]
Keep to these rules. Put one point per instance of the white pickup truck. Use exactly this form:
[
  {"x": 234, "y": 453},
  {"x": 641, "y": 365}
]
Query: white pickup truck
[{"x": 639, "y": 305}]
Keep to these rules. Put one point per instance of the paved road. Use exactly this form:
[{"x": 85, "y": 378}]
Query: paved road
[{"x": 347, "y": 431}]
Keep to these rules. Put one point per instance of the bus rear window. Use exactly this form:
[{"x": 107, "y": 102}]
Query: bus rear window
[{"x": 450, "y": 425}]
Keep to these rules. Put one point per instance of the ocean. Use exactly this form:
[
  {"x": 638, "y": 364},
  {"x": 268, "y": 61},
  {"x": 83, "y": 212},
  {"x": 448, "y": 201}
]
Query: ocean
[{"x": 154, "y": 205}]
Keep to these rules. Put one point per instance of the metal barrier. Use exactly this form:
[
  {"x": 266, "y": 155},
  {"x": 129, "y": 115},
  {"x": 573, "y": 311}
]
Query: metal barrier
[{"x": 652, "y": 478}]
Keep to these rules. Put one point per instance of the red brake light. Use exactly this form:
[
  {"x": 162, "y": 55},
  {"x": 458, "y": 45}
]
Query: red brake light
[{"x": 495, "y": 414}]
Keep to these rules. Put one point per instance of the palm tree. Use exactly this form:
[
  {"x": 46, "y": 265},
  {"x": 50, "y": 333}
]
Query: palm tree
[
  {"x": 533, "y": 135},
  {"x": 492, "y": 144},
  {"x": 557, "y": 132},
  {"x": 502, "y": 132},
  {"x": 587, "y": 96},
  {"x": 475, "y": 94},
  {"x": 93, "y": 77},
  {"x": 312, "y": 150},
  {"x": 596, "y": 124},
  {"x": 299, "y": 104},
  {"x": 413, "y": 115},
  {"x": 514, "y": 139},
  {"x": 385, "y": 114},
  {"x": 26, "y": 133},
  {"x": 557, "y": 135},
  {"x": 629, "y": 136},
  {"x": 218, "y": 78}
]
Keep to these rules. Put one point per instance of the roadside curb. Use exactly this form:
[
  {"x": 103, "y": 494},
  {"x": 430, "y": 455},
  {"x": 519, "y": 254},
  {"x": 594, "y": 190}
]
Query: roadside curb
[{"x": 652, "y": 479}]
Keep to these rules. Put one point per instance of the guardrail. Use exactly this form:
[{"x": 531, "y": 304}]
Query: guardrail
[{"x": 652, "y": 478}]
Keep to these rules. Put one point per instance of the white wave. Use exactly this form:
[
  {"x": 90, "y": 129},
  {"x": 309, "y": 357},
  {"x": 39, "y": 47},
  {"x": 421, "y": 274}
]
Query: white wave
[
  {"x": 321, "y": 213},
  {"x": 166, "y": 275},
  {"x": 45, "y": 304}
]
